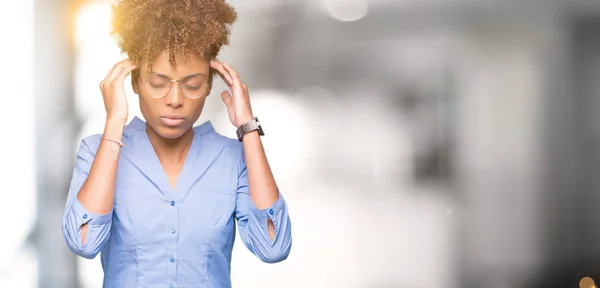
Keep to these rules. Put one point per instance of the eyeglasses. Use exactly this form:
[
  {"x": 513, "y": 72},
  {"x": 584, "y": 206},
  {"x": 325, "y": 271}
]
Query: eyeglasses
[{"x": 192, "y": 86}]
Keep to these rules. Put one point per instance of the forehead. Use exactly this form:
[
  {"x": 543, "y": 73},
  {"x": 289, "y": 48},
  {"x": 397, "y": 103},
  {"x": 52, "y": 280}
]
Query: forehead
[{"x": 194, "y": 64}]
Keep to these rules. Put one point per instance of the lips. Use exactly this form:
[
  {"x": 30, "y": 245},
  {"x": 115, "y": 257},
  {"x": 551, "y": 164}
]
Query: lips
[{"x": 172, "y": 120}]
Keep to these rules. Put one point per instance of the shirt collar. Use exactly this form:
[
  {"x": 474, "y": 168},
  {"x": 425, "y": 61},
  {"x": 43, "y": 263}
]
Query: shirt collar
[{"x": 139, "y": 124}]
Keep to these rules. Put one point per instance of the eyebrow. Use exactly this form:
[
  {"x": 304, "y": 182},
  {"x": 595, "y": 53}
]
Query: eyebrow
[{"x": 165, "y": 76}]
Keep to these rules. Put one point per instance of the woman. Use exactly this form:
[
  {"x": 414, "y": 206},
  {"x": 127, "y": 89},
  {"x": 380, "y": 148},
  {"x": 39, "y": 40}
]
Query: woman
[{"x": 159, "y": 198}]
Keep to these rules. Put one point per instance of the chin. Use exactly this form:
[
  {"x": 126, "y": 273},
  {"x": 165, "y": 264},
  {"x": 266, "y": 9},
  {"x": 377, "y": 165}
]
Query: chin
[{"x": 170, "y": 132}]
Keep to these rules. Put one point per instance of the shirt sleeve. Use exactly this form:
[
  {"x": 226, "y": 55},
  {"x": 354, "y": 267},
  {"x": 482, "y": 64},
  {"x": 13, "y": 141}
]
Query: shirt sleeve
[
  {"x": 75, "y": 215},
  {"x": 253, "y": 227}
]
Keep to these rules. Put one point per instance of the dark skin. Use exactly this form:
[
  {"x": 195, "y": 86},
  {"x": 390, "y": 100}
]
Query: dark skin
[
  {"x": 169, "y": 126},
  {"x": 171, "y": 143}
]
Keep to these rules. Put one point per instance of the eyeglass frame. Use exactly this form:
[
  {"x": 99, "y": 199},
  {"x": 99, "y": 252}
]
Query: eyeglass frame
[{"x": 171, "y": 81}]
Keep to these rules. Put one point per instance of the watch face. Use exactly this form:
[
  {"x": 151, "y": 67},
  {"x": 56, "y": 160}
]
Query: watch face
[{"x": 260, "y": 131}]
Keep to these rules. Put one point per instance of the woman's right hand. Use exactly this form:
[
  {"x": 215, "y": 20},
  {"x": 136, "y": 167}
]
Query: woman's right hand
[{"x": 113, "y": 91}]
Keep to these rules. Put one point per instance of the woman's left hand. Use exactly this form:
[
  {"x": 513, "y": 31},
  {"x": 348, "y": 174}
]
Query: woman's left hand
[{"x": 238, "y": 104}]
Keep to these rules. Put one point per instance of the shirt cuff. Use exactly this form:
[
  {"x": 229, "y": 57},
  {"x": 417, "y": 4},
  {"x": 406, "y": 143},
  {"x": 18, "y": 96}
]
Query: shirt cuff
[
  {"x": 271, "y": 212},
  {"x": 83, "y": 216}
]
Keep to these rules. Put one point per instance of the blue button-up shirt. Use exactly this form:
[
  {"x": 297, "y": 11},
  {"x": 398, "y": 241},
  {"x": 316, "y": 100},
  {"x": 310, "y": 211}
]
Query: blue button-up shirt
[{"x": 156, "y": 236}]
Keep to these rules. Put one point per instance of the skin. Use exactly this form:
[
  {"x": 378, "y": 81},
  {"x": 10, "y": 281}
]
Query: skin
[{"x": 170, "y": 143}]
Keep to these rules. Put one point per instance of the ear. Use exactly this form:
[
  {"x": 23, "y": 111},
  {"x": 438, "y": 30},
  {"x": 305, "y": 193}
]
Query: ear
[
  {"x": 134, "y": 81},
  {"x": 209, "y": 90},
  {"x": 210, "y": 81}
]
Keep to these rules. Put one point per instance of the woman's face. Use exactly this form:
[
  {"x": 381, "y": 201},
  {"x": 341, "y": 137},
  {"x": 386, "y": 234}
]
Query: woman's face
[{"x": 171, "y": 108}]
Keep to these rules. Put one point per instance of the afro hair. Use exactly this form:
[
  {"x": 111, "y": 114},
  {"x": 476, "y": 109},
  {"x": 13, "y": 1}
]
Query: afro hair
[{"x": 145, "y": 28}]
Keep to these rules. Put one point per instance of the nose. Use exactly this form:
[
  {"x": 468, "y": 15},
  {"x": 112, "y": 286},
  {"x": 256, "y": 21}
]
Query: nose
[{"x": 174, "y": 98}]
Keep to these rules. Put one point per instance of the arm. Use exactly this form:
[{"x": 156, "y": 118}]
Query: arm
[
  {"x": 263, "y": 220},
  {"x": 88, "y": 211},
  {"x": 261, "y": 211}
]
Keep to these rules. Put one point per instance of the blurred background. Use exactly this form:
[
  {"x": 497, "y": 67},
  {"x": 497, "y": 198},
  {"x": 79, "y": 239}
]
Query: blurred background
[{"x": 419, "y": 143}]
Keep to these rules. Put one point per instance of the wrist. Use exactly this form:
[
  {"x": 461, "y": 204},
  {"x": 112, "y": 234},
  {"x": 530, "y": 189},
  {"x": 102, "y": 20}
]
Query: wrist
[
  {"x": 251, "y": 126},
  {"x": 116, "y": 120},
  {"x": 113, "y": 129},
  {"x": 251, "y": 136},
  {"x": 244, "y": 120}
]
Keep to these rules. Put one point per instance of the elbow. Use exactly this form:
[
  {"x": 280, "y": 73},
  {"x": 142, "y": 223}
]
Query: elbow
[
  {"x": 88, "y": 253},
  {"x": 85, "y": 250},
  {"x": 275, "y": 255},
  {"x": 88, "y": 249},
  {"x": 75, "y": 245},
  {"x": 279, "y": 251}
]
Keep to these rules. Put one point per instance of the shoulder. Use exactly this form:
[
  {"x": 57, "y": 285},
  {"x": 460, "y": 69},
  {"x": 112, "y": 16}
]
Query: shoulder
[
  {"x": 129, "y": 136},
  {"x": 224, "y": 143},
  {"x": 91, "y": 143},
  {"x": 228, "y": 147}
]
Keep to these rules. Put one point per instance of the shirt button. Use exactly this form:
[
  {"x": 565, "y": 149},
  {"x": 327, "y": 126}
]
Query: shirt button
[
  {"x": 171, "y": 259},
  {"x": 271, "y": 211},
  {"x": 84, "y": 216},
  {"x": 172, "y": 203},
  {"x": 173, "y": 230}
]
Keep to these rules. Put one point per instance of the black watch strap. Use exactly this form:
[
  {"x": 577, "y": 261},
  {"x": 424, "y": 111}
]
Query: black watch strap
[{"x": 249, "y": 127}]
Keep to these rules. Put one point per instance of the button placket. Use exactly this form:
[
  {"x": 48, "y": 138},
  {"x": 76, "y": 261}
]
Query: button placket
[{"x": 172, "y": 241}]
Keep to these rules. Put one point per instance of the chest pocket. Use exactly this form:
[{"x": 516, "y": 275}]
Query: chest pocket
[{"x": 208, "y": 215}]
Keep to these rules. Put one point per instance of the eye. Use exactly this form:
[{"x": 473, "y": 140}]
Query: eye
[
  {"x": 191, "y": 87},
  {"x": 158, "y": 85},
  {"x": 194, "y": 82}
]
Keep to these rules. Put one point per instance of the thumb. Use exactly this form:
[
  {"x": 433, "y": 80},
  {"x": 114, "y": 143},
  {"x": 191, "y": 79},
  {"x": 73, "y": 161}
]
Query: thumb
[{"x": 227, "y": 99}]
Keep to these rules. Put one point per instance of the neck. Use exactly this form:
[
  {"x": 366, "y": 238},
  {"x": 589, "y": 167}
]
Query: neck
[{"x": 171, "y": 150}]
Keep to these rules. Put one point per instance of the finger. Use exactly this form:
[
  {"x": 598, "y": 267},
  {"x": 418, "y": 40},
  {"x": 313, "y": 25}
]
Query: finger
[
  {"x": 111, "y": 73},
  {"x": 108, "y": 75},
  {"x": 225, "y": 72},
  {"x": 222, "y": 72},
  {"x": 215, "y": 64},
  {"x": 227, "y": 99},
  {"x": 218, "y": 61},
  {"x": 234, "y": 75},
  {"x": 124, "y": 72},
  {"x": 118, "y": 68},
  {"x": 118, "y": 65},
  {"x": 228, "y": 82}
]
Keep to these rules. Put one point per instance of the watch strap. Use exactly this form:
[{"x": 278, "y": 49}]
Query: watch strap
[{"x": 248, "y": 127}]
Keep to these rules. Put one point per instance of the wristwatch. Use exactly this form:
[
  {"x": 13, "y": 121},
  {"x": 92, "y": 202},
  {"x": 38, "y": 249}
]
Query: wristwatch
[{"x": 249, "y": 127}]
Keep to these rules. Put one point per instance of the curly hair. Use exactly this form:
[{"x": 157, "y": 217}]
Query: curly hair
[{"x": 146, "y": 28}]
